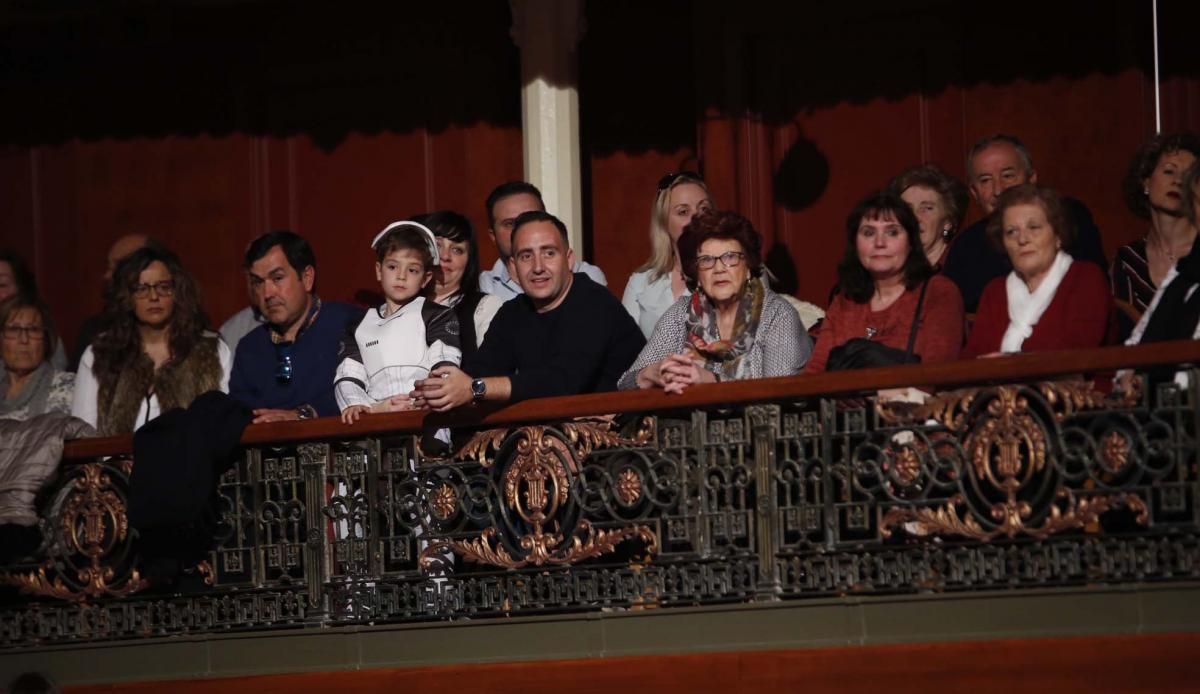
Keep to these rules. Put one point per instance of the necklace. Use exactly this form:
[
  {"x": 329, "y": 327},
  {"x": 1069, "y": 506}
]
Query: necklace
[{"x": 1165, "y": 248}]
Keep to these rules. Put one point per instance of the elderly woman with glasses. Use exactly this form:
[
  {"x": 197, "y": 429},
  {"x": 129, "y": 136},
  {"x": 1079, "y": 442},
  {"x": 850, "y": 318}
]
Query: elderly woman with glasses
[
  {"x": 30, "y": 385},
  {"x": 731, "y": 327},
  {"x": 659, "y": 282},
  {"x": 156, "y": 353}
]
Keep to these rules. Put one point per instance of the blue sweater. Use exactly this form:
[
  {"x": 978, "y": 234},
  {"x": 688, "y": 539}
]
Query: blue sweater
[{"x": 314, "y": 361}]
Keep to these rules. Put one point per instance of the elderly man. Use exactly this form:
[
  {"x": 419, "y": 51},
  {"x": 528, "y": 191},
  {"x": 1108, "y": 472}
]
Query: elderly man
[
  {"x": 284, "y": 368},
  {"x": 994, "y": 165},
  {"x": 504, "y": 205},
  {"x": 565, "y": 334}
]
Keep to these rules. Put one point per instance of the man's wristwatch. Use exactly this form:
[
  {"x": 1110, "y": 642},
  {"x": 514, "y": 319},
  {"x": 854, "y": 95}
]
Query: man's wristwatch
[
  {"x": 478, "y": 389},
  {"x": 306, "y": 412}
]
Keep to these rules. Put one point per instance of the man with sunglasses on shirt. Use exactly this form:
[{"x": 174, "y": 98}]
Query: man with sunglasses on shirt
[
  {"x": 284, "y": 368},
  {"x": 507, "y": 202}
]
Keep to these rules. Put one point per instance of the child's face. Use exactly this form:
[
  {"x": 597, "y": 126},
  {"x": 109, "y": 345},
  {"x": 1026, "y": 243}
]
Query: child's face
[{"x": 402, "y": 274}]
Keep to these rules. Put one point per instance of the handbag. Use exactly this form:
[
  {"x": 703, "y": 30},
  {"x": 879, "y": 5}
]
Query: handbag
[{"x": 864, "y": 353}]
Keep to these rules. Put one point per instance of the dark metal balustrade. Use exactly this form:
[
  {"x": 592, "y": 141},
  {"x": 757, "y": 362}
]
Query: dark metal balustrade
[{"x": 762, "y": 491}]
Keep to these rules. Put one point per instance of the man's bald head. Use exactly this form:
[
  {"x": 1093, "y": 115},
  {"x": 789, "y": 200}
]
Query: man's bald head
[{"x": 123, "y": 248}]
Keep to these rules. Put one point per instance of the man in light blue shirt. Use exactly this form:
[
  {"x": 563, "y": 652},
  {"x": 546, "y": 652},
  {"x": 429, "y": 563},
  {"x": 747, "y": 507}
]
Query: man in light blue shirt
[{"x": 504, "y": 205}]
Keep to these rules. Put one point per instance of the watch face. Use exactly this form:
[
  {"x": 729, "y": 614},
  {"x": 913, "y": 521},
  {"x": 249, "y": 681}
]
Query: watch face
[{"x": 478, "y": 388}]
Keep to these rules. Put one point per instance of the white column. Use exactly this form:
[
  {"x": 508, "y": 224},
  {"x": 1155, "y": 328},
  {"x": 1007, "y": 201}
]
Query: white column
[{"x": 547, "y": 32}]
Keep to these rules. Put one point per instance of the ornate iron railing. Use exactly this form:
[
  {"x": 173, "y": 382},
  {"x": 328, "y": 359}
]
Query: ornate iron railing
[{"x": 769, "y": 490}]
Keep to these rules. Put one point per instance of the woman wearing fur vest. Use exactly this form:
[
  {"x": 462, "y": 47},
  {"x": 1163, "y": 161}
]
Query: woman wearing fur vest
[{"x": 156, "y": 354}]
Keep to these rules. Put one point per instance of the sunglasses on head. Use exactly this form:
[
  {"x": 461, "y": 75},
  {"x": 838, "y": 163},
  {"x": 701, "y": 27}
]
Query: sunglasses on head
[{"x": 666, "y": 181}]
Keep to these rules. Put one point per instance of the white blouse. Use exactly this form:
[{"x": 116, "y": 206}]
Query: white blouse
[
  {"x": 647, "y": 300},
  {"x": 87, "y": 388}
]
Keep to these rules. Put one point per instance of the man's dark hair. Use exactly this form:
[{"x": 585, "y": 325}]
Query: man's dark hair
[
  {"x": 299, "y": 254},
  {"x": 853, "y": 279},
  {"x": 539, "y": 216},
  {"x": 507, "y": 190}
]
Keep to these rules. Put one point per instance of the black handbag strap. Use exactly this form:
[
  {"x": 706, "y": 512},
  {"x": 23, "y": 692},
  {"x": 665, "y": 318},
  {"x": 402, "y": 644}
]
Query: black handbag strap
[{"x": 912, "y": 330}]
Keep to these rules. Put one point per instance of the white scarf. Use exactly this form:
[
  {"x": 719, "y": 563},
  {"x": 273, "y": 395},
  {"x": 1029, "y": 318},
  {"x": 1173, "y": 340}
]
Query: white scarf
[{"x": 1025, "y": 308}]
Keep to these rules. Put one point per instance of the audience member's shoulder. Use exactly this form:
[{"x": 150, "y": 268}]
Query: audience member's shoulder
[
  {"x": 342, "y": 311},
  {"x": 593, "y": 290},
  {"x": 1090, "y": 274},
  {"x": 942, "y": 286},
  {"x": 1076, "y": 209}
]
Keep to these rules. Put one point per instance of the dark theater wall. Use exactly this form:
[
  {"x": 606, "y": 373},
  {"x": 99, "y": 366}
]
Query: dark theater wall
[
  {"x": 808, "y": 109},
  {"x": 207, "y": 123}
]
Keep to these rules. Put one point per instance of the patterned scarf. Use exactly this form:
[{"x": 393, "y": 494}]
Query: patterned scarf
[
  {"x": 724, "y": 357},
  {"x": 33, "y": 395}
]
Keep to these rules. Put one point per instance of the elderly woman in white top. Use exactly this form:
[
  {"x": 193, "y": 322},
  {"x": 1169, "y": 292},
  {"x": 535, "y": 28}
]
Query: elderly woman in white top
[
  {"x": 659, "y": 282},
  {"x": 732, "y": 326}
]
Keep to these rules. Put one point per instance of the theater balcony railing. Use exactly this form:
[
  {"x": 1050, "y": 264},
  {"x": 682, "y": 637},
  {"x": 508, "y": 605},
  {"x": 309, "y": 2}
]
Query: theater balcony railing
[{"x": 1017, "y": 473}]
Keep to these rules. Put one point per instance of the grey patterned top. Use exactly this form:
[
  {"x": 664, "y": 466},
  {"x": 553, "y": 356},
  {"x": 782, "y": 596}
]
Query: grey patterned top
[
  {"x": 62, "y": 386},
  {"x": 781, "y": 346}
]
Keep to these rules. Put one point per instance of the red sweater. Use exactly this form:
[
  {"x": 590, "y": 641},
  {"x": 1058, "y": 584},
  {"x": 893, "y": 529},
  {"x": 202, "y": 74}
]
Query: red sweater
[
  {"x": 939, "y": 331},
  {"x": 1077, "y": 317}
]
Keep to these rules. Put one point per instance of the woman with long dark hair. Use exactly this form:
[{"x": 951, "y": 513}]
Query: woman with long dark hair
[
  {"x": 156, "y": 353},
  {"x": 890, "y": 297},
  {"x": 456, "y": 277}
]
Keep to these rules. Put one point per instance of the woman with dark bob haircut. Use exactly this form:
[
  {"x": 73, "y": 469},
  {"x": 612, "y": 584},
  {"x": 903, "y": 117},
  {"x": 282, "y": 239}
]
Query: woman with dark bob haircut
[
  {"x": 1048, "y": 301},
  {"x": 731, "y": 327},
  {"x": 456, "y": 277},
  {"x": 1154, "y": 191},
  {"x": 881, "y": 279},
  {"x": 156, "y": 353}
]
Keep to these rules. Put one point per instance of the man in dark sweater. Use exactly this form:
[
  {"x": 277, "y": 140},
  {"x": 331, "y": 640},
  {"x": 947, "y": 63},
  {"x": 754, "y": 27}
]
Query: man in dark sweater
[
  {"x": 994, "y": 165},
  {"x": 284, "y": 368},
  {"x": 565, "y": 335}
]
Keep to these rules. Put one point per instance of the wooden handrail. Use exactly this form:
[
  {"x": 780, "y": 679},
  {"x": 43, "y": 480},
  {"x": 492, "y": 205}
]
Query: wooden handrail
[{"x": 1019, "y": 367}]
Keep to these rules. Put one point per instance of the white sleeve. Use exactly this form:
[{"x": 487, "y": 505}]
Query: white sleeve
[
  {"x": 226, "y": 358},
  {"x": 594, "y": 272},
  {"x": 440, "y": 352},
  {"x": 87, "y": 389},
  {"x": 633, "y": 289},
  {"x": 484, "y": 313},
  {"x": 350, "y": 384}
]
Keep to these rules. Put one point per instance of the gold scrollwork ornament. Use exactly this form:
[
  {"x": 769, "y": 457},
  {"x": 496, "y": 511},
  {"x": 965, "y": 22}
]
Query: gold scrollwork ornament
[{"x": 93, "y": 522}]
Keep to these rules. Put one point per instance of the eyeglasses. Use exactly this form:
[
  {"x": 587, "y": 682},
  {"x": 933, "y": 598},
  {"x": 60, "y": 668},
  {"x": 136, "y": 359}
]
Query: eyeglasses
[
  {"x": 283, "y": 366},
  {"x": 666, "y": 181},
  {"x": 32, "y": 333},
  {"x": 729, "y": 259},
  {"x": 164, "y": 288}
]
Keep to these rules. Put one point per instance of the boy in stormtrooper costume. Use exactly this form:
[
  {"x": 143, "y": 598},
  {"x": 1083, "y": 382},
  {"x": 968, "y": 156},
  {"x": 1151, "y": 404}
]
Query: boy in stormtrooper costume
[{"x": 402, "y": 340}]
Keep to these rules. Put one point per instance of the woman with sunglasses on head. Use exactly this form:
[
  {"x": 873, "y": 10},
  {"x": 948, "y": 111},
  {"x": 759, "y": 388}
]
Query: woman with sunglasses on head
[
  {"x": 156, "y": 353},
  {"x": 659, "y": 282},
  {"x": 731, "y": 327}
]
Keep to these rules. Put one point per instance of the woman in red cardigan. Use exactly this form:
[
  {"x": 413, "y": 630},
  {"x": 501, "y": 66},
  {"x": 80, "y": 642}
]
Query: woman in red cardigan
[
  {"x": 1048, "y": 301},
  {"x": 880, "y": 280}
]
